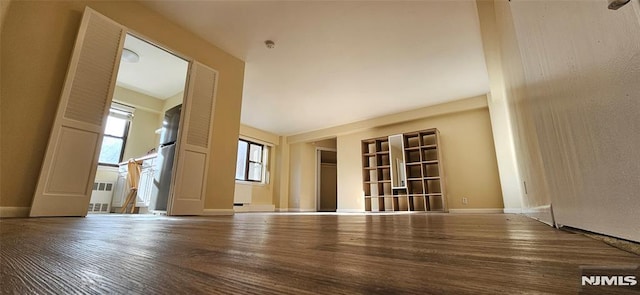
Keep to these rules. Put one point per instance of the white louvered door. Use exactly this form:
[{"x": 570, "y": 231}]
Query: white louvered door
[
  {"x": 193, "y": 150},
  {"x": 69, "y": 167}
]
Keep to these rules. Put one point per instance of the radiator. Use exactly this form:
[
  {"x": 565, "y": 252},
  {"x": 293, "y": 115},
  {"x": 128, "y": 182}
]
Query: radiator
[{"x": 101, "y": 197}]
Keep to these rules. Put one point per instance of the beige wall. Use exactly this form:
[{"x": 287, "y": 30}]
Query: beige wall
[
  {"x": 302, "y": 177},
  {"x": 4, "y": 7},
  {"x": 173, "y": 101},
  {"x": 138, "y": 100},
  {"x": 37, "y": 40},
  {"x": 146, "y": 120},
  {"x": 260, "y": 193},
  {"x": 570, "y": 81},
  {"x": 142, "y": 137},
  {"x": 468, "y": 155}
]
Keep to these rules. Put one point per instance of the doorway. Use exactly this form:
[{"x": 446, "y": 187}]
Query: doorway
[
  {"x": 142, "y": 126},
  {"x": 69, "y": 167},
  {"x": 326, "y": 180}
]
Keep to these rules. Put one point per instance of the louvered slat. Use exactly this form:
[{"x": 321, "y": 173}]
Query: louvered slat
[
  {"x": 202, "y": 108},
  {"x": 88, "y": 96}
]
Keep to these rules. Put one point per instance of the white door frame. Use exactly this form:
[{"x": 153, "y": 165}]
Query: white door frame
[
  {"x": 318, "y": 173},
  {"x": 57, "y": 209}
]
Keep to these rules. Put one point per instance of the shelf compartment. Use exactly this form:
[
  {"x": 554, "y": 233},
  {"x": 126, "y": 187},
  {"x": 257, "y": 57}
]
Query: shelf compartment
[
  {"x": 382, "y": 145},
  {"x": 412, "y": 156},
  {"x": 390, "y": 203},
  {"x": 415, "y": 187},
  {"x": 430, "y": 170},
  {"x": 436, "y": 203},
  {"x": 429, "y": 154},
  {"x": 368, "y": 147},
  {"x": 367, "y": 204},
  {"x": 417, "y": 203},
  {"x": 382, "y": 159},
  {"x": 377, "y": 204},
  {"x": 413, "y": 171},
  {"x": 373, "y": 190},
  {"x": 369, "y": 161},
  {"x": 433, "y": 186},
  {"x": 411, "y": 140},
  {"x": 428, "y": 138},
  {"x": 370, "y": 175},
  {"x": 366, "y": 189},
  {"x": 384, "y": 188},
  {"x": 402, "y": 203}
]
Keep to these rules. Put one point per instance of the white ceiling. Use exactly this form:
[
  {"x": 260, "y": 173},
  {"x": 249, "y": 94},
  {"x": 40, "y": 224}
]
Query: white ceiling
[
  {"x": 158, "y": 73},
  {"x": 340, "y": 62}
]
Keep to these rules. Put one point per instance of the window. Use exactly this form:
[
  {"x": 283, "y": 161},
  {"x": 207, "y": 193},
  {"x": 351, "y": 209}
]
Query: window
[
  {"x": 115, "y": 136},
  {"x": 251, "y": 161}
]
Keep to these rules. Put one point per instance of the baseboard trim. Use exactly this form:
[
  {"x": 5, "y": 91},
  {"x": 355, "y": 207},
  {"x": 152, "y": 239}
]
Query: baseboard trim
[
  {"x": 349, "y": 211},
  {"x": 13, "y": 212},
  {"x": 298, "y": 210},
  {"x": 255, "y": 208},
  {"x": 512, "y": 210},
  {"x": 218, "y": 212},
  {"x": 476, "y": 211},
  {"x": 540, "y": 213},
  {"x": 281, "y": 209}
]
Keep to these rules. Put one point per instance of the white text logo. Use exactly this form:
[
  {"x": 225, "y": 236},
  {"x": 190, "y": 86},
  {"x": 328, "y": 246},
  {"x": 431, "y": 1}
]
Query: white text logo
[{"x": 609, "y": 280}]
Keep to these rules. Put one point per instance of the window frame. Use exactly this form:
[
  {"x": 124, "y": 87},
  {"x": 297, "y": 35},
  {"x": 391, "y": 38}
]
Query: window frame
[
  {"x": 248, "y": 162},
  {"x": 124, "y": 136}
]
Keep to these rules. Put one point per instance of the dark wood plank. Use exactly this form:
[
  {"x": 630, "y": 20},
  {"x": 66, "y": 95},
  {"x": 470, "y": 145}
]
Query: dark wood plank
[{"x": 296, "y": 254}]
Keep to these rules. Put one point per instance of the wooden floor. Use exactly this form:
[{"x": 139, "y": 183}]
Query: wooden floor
[{"x": 254, "y": 253}]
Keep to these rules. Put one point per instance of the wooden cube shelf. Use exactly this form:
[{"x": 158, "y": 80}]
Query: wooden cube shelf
[{"x": 424, "y": 190}]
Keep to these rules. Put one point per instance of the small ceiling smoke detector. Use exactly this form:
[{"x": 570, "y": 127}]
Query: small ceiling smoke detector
[
  {"x": 615, "y": 4},
  {"x": 270, "y": 44},
  {"x": 130, "y": 56}
]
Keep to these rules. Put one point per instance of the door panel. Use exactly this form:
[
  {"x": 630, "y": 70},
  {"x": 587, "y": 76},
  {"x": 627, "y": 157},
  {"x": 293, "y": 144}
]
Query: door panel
[
  {"x": 69, "y": 166},
  {"x": 194, "y": 142},
  {"x": 192, "y": 178},
  {"x": 69, "y": 172}
]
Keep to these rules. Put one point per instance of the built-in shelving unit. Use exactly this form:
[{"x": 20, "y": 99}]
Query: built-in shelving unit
[{"x": 424, "y": 190}]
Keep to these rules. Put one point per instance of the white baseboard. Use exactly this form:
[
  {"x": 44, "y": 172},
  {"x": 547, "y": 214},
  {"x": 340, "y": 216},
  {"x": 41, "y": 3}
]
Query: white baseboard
[
  {"x": 6, "y": 212},
  {"x": 349, "y": 211},
  {"x": 298, "y": 210},
  {"x": 540, "y": 213},
  {"x": 512, "y": 210},
  {"x": 476, "y": 211},
  {"x": 218, "y": 212},
  {"x": 255, "y": 208}
]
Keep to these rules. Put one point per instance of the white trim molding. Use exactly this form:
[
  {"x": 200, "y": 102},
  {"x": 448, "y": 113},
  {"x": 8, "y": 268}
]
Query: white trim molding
[
  {"x": 350, "y": 211},
  {"x": 218, "y": 212},
  {"x": 540, "y": 213},
  {"x": 7, "y": 212},
  {"x": 255, "y": 208},
  {"x": 512, "y": 210},
  {"x": 298, "y": 210},
  {"x": 476, "y": 211}
]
